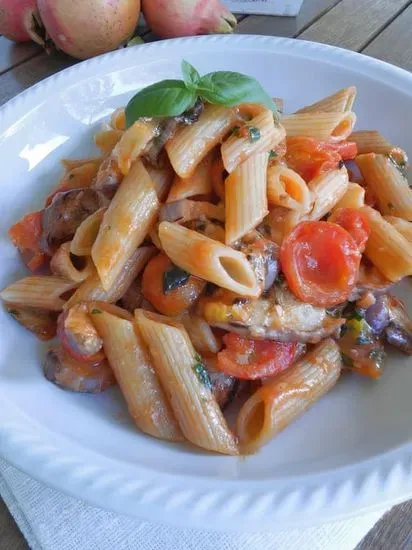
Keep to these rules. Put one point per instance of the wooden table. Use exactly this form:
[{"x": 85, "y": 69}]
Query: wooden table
[{"x": 379, "y": 28}]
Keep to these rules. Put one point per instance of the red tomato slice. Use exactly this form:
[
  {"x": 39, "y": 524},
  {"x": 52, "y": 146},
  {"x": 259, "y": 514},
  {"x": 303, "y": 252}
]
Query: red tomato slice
[
  {"x": 26, "y": 233},
  {"x": 348, "y": 150},
  {"x": 355, "y": 223},
  {"x": 251, "y": 359},
  {"x": 309, "y": 158},
  {"x": 320, "y": 261}
]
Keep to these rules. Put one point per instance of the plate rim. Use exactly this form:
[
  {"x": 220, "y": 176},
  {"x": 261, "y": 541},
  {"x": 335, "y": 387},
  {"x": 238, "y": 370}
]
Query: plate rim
[{"x": 162, "y": 498}]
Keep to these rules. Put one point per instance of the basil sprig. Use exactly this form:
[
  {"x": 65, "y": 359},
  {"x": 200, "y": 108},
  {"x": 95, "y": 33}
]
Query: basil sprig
[{"x": 174, "y": 97}]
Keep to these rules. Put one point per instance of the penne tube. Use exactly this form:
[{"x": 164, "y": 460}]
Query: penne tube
[
  {"x": 162, "y": 178},
  {"x": 63, "y": 265},
  {"x": 281, "y": 221},
  {"x": 286, "y": 188},
  {"x": 246, "y": 197},
  {"x": 86, "y": 234},
  {"x": 387, "y": 248},
  {"x": 118, "y": 119},
  {"x": 339, "y": 102},
  {"x": 319, "y": 125},
  {"x": 241, "y": 145},
  {"x": 106, "y": 140},
  {"x": 130, "y": 360},
  {"x": 186, "y": 210},
  {"x": 132, "y": 144},
  {"x": 199, "y": 183},
  {"x": 125, "y": 224},
  {"x": 200, "y": 334},
  {"x": 327, "y": 190},
  {"x": 70, "y": 164},
  {"x": 208, "y": 259},
  {"x": 186, "y": 382},
  {"x": 353, "y": 198},
  {"x": 401, "y": 225},
  {"x": 42, "y": 291},
  {"x": 388, "y": 184},
  {"x": 279, "y": 402},
  {"x": 372, "y": 141},
  {"x": 191, "y": 144},
  {"x": 92, "y": 288}
]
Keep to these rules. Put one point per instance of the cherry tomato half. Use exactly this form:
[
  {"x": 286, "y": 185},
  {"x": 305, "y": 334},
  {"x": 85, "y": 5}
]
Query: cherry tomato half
[{"x": 355, "y": 223}]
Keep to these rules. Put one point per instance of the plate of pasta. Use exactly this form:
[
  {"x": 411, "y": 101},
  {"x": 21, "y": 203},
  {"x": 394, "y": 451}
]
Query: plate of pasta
[{"x": 206, "y": 282}]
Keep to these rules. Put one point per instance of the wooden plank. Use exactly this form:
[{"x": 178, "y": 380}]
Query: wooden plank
[
  {"x": 353, "y": 24},
  {"x": 31, "y": 72},
  {"x": 394, "y": 44},
  {"x": 12, "y": 54},
  {"x": 393, "y": 530},
  {"x": 10, "y": 536},
  {"x": 286, "y": 26}
]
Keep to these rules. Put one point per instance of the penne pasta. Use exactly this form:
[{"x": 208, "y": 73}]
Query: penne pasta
[
  {"x": 132, "y": 367},
  {"x": 281, "y": 221},
  {"x": 387, "y": 248},
  {"x": 106, "y": 140},
  {"x": 372, "y": 141},
  {"x": 191, "y": 144},
  {"x": 242, "y": 144},
  {"x": 125, "y": 224},
  {"x": 162, "y": 178},
  {"x": 42, "y": 291},
  {"x": 199, "y": 183},
  {"x": 86, "y": 234},
  {"x": 208, "y": 259},
  {"x": 69, "y": 164},
  {"x": 279, "y": 402},
  {"x": 186, "y": 383},
  {"x": 132, "y": 144},
  {"x": 200, "y": 334},
  {"x": 286, "y": 188},
  {"x": 401, "y": 225},
  {"x": 327, "y": 190},
  {"x": 118, "y": 119},
  {"x": 63, "y": 265},
  {"x": 353, "y": 198},
  {"x": 339, "y": 102},
  {"x": 388, "y": 184},
  {"x": 92, "y": 288},
  {"x": 246, "y": 197},
  {"x": 320, "y": 125}
]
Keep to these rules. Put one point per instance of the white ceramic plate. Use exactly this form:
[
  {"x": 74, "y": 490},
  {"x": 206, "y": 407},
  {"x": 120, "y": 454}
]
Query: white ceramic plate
[{"x": 350, "y": 453}]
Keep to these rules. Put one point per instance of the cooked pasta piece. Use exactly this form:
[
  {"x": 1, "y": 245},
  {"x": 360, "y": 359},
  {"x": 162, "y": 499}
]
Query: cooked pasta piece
[
  {"x": 200, "y": 333},
  {"x": 208, "y": 259},
  {"x": 118, "y": 119},
  {"x": 246, "y": 197},
  {"x": 327, "y": 190},
  {"x": 279, "y": 402},
  {"x": 281, "y": 221},
  {"x": 199, "y": 183},
  {"x": 191, "y": 144},
  {"x": 257, "y": 136},
  {"x": 353, "y": 198},
  {"x": 186, "y": 383},
  {"x": 86, "y": 233},
  {"x": 322, "y": 126},
  {"x": 186, "y": 210},
  {"x": 372, "y": 141},
  {"x": 42, "y": 291},
  {"x": 69, "y": 164},
  {"x": 404, "y": 227},
  {"x": 125, "y": 224},
  {"x": 63, "y": 264},
  {"x": 92, "y": 288},
  {"x": 286, "y": 188},
  {"x": 132, "y": 367},
  {"x": 106, "y": 140},
  {"x": 339, "y": 102},
  {"x": 388, "y": 184},
  {"x": 386, "y": 248},
  {"x": 132, "y": 143}
]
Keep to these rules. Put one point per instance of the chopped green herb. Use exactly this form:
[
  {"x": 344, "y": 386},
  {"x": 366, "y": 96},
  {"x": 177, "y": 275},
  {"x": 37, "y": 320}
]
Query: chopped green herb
[
  {"x": 355, "y": 315},
  {"x": 347, "y": 361},
  {"x": 174, "y": 278},
  {"x": 254, "y": 134},
  {"x": 96, "y": 311},
  {"x": 200, "y": 370},
  {"x": 273, "y": 154},
  {"x": 135, "y": 41}
]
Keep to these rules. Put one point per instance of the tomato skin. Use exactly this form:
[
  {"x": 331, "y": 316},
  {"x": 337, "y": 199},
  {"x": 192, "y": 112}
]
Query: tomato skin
[
  {"x": 355, "y": 223},
  {"x": 250, "y": 359},
  {"x": 175, "y": 301},
  {"x": 26, "y": 235},
  {"x": 320, "y": 261},
  {"x": 347, "y": 150}
]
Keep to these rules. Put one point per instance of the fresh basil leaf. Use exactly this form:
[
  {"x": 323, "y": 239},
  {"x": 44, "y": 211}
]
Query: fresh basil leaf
[
  {"x": 230, "y": 88},
  {"x": 165, "y": 98},
  {"x": 174, "y": 278},
  {"x": 190, "y": 75}
]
